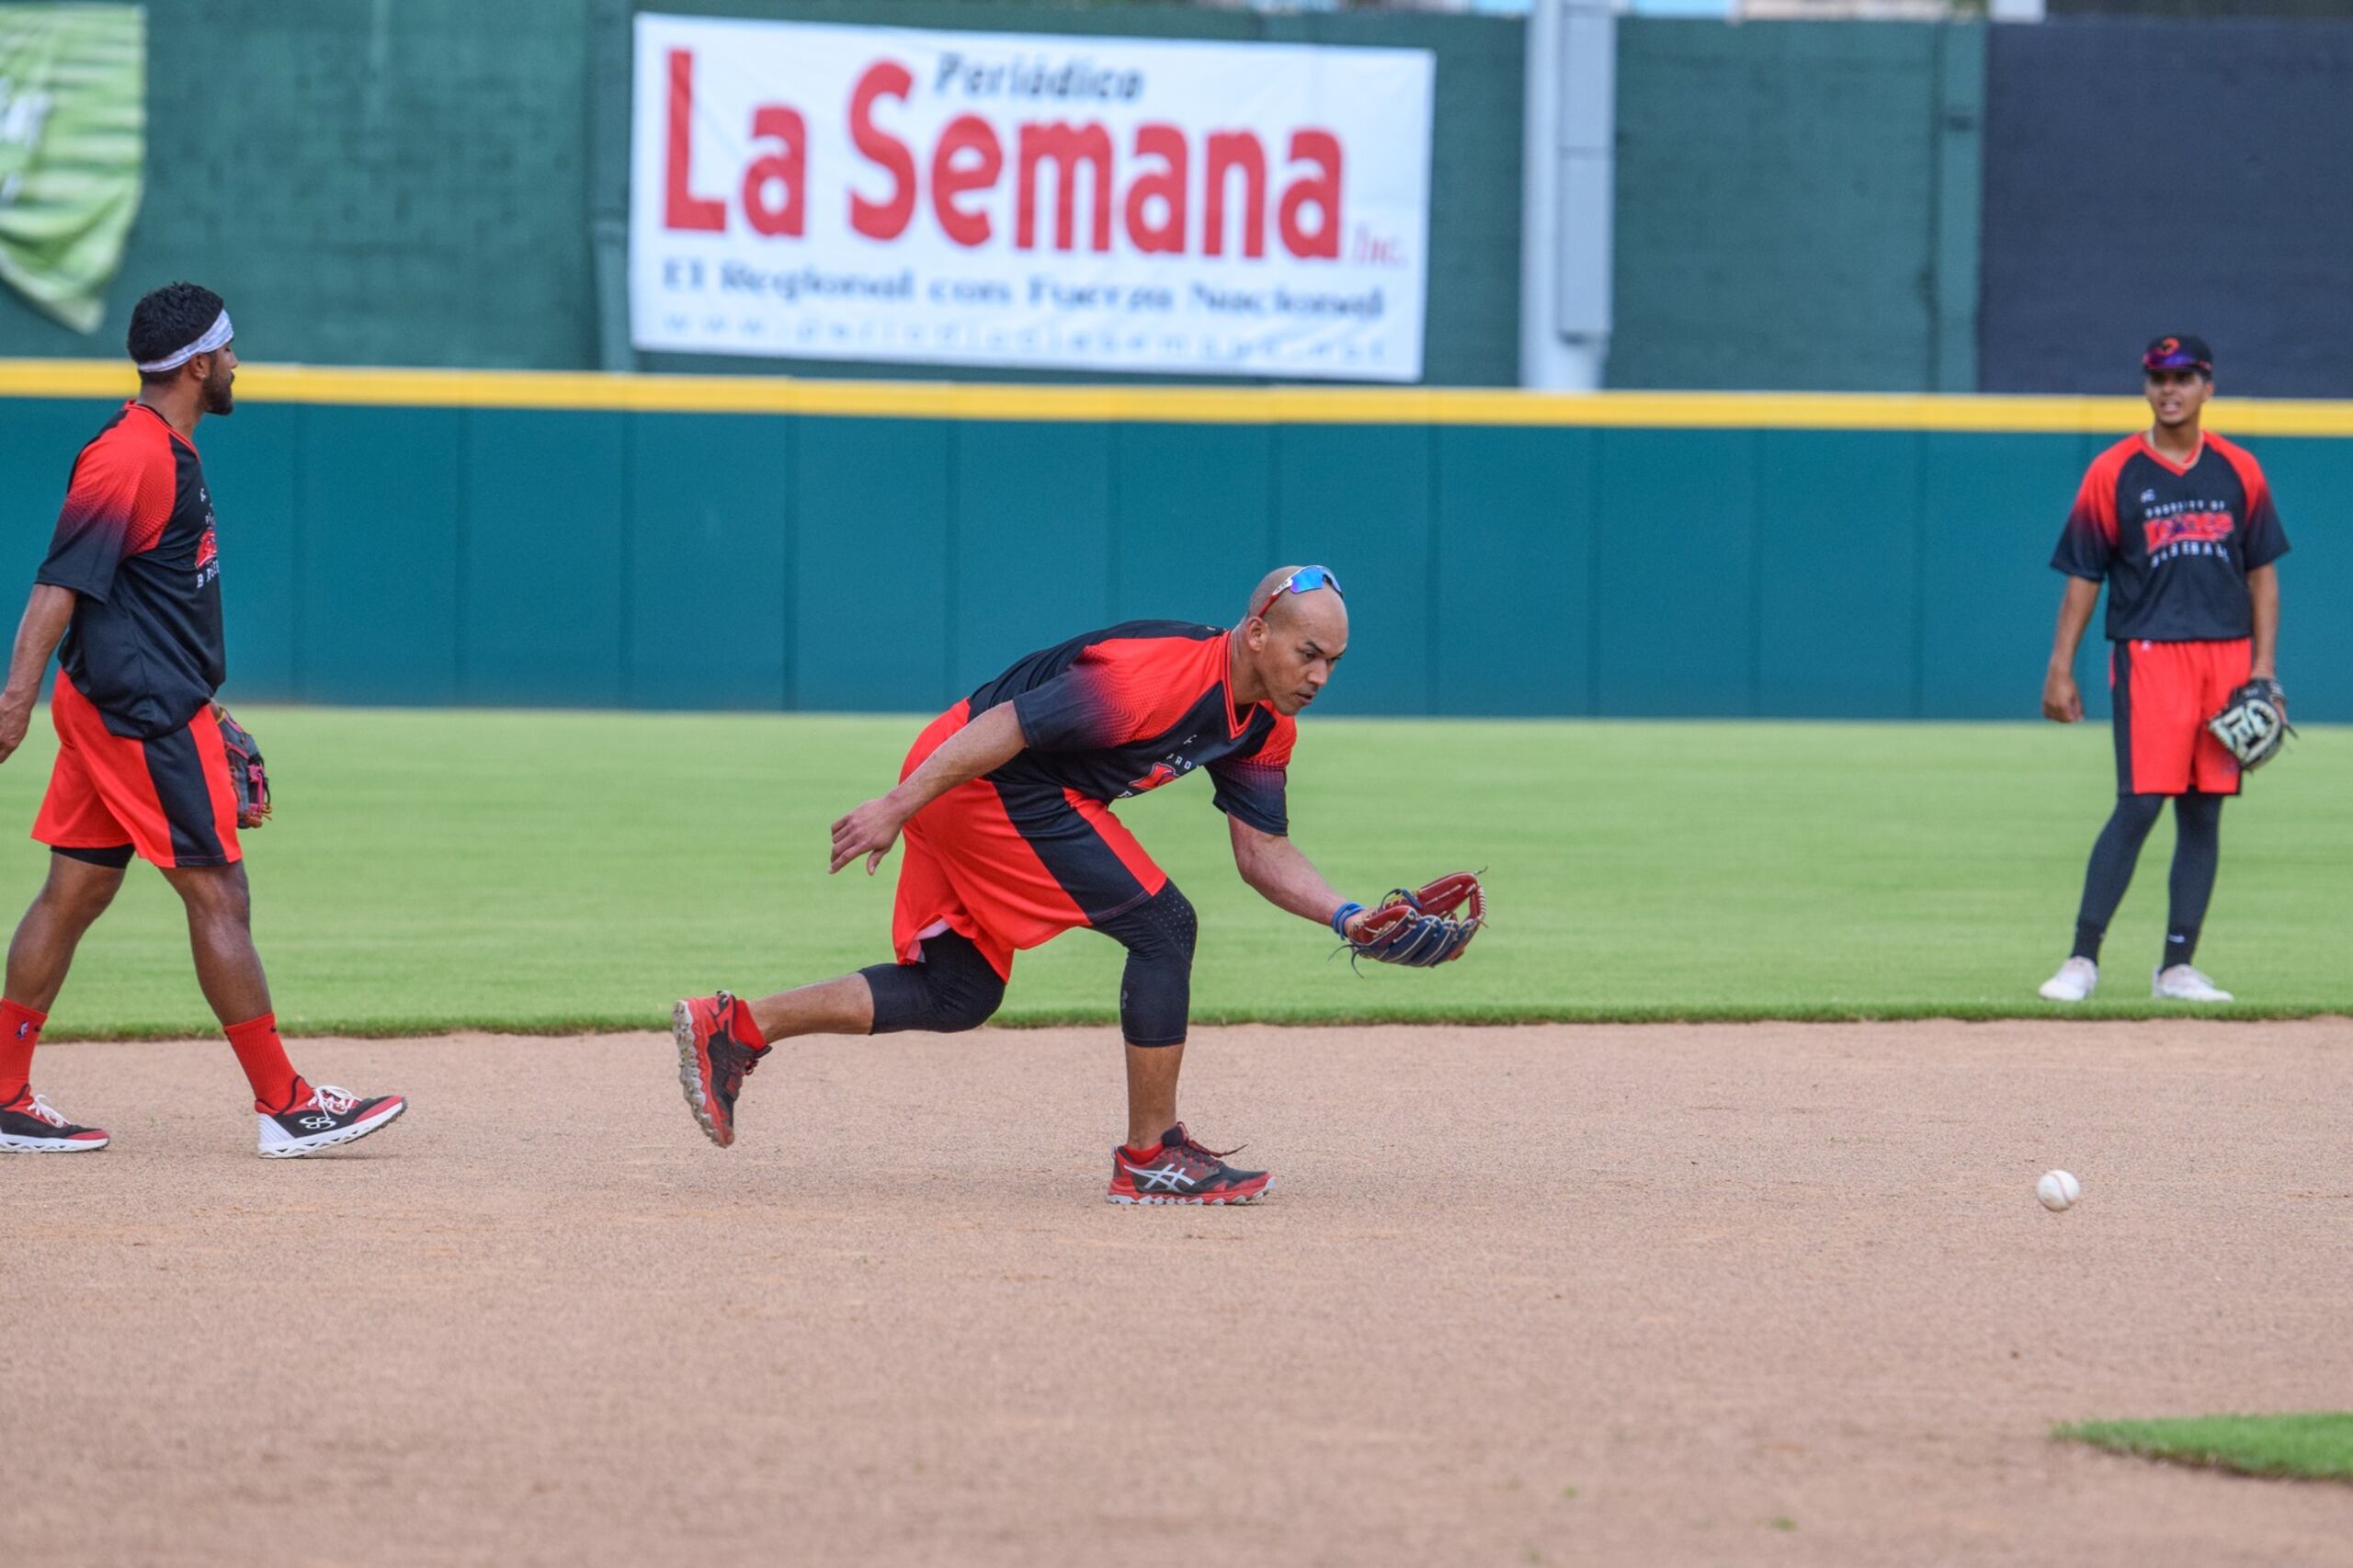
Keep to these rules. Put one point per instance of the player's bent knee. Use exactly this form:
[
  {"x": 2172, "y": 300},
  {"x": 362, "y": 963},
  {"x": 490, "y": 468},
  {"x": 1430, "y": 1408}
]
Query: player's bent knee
[
  {"x": 967, "y": 1000},
  {"x": 952, "y": 990},
  {"x": 1161, "y": 926}
]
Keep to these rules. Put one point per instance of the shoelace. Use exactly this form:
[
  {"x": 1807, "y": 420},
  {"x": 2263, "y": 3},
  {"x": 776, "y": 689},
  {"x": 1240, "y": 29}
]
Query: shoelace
[
  {"x": 328, "y": 1098},
  {"x": 1188, "y": 1144},
  {"x": 45, "y": 1111}
]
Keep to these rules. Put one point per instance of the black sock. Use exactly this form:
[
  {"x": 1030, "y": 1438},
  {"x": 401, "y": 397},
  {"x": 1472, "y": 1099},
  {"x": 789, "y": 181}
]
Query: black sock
[
  {"x": 2087, "y": 938},
  {"x": 2180, "y": 947}
]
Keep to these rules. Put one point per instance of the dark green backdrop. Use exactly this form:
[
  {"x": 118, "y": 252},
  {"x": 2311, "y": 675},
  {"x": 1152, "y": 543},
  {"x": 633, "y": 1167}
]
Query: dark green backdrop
[
  {"x": 424, "y": 184},
  {"x": 1799, "y": 205}
]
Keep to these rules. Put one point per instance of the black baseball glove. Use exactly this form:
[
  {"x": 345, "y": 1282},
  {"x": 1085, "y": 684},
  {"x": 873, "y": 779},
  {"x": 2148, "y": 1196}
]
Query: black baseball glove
[
  {"x": 2253, "y": 722},
  {"x": 1424, "y": 927},
  {"x": 246, "y": 775}
]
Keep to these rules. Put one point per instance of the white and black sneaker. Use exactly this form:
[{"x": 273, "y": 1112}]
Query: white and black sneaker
[
  {"x": 31, "y": 1125},
  {"x": 329, "y": 1116}
]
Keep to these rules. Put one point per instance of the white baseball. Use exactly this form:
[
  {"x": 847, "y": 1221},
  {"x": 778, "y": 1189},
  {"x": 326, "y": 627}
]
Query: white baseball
[{"x": 2058, "y": 1189}]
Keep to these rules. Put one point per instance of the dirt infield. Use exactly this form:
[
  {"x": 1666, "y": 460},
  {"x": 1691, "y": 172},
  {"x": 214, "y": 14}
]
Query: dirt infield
[{"x": 1736, "y": 1295}]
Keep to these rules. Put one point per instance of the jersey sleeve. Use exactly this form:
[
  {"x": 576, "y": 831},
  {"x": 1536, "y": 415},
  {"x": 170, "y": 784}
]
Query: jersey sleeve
[
  {"x": 1113, "y": 693},
  {"x": 2087, "y": 543},
  {"x": 2266, "y": 541},
  {"x": 1251, "y": 788},
  {"x": 116, "y": 505}
]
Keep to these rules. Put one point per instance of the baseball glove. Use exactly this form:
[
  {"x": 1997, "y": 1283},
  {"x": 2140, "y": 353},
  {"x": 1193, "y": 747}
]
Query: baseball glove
[
  {"x": 246, "y": 775},
  {"x": 1423, "y": 926},
  {"x": 2254, "y": 724}
]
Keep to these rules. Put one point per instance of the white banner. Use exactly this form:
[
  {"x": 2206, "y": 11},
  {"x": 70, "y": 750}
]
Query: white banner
[{"x": 1004, "y": 198}]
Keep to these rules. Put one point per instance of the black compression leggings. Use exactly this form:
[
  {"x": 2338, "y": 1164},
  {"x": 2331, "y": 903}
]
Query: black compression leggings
[
  {"x": 1157, "y": 991},
  {"x": 2197, "y": 853},
  {"x": 954, "y": 988}
]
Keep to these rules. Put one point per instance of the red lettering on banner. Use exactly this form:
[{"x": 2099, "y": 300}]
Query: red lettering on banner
[
  {"x": 681, "y": 208},
  {"x": 1322, "y": 191},
  {"x": 967, "y": 133},
  {"x": 1166, "y": 186},
  {"x": 1151, "y": 199},
  {"x": 789, "y": 168},
  {"x": 883, "y": 219},
  {"x": 1231, "y": 150},
  {"x": 1067, "y": 146}
]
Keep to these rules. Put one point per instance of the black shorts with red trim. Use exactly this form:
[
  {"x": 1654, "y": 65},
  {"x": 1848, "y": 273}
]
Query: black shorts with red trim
[
  {"x": 1011, "y": 865},
  {"x": 168, "y": 798}
]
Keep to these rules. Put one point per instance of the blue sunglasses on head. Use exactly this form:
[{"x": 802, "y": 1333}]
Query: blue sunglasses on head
[{"x": 1306, "y": 580}]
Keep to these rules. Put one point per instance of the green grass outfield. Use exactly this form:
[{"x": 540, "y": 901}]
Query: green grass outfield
[
  {"x": 431, "y": 870},
  {"x": 2315, "y": 1446}
]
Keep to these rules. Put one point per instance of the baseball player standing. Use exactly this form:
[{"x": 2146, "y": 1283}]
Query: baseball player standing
[{"x": 2181, "y": 525}]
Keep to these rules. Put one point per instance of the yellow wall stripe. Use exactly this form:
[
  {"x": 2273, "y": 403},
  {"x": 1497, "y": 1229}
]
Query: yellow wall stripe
[{"x": 1181, "y": 404}]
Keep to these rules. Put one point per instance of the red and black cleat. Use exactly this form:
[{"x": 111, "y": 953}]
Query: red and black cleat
[
  {"x": 1181, "y": 1171},
  {"x": 717, "y": 1044}
]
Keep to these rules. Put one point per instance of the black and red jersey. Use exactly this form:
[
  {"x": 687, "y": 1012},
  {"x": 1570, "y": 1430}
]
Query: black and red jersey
[
  {"x": 135, "y": 541},
  {"x": 2174, "y": 541},
  {"x": 1128, "y": 709}
]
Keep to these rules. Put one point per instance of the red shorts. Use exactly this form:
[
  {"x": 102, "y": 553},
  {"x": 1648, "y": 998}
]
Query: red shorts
[
  {"x": 169, "y": 798},
  {"x": 1011, "y": 864},
  {"x": 2165, "y": 692}
]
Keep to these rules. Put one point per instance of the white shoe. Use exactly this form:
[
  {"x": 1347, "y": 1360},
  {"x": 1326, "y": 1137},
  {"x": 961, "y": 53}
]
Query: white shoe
[
  {"x": 2182, "y": 983},
  {"x": 2072, "y": 983}
]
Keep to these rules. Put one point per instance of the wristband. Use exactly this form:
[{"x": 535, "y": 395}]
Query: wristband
[{"x": 1346, "y": 913}]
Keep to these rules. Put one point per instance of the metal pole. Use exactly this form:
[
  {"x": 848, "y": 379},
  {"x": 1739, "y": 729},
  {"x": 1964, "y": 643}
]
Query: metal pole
[{"x": 1568, "y": 189}]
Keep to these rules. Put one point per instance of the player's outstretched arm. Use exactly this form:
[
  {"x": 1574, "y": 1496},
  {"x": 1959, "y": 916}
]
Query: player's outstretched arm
[
  {"x": 46, "y": 614},
  {"x": 988, "y": 742},
  {"x": 1278, "y": 873},
  {"x": 2062, "y": 703}
]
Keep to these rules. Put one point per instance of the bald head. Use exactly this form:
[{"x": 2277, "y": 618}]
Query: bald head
[
  {"x": 1323, "y": 605},
  {"x": 1285, "y": 649}
]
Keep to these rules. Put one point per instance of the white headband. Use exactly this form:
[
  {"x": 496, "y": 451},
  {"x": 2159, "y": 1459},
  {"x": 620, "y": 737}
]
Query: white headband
[{"x": 219, "y": 332}]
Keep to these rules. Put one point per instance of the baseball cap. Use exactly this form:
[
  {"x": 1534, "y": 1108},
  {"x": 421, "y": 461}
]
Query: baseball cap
[{"x": 2178, "y": 352}]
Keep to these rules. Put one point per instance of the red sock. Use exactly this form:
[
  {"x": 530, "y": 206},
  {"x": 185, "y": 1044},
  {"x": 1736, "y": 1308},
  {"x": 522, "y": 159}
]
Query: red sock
[
  {"x": 1142, "y": 1156},
  {"x": 276, "y": 1087},
  {"x": 749, "y": 1025},
  {"x": 19, "y": 1032}
]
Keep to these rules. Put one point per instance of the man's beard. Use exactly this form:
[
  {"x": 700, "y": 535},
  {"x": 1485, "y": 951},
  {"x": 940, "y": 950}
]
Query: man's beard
[{"x": 219, "y": 397}]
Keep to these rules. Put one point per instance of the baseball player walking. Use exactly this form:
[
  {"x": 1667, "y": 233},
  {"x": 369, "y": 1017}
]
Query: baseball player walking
[
  {"x": 2179, "y": 525},
  {"x": 133, "y": 587}
]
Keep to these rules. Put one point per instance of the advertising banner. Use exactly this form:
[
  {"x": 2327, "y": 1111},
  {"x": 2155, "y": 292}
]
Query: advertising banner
[
  {"x": 72, "y": 150},
  {"x": 1107, "y": 204}
]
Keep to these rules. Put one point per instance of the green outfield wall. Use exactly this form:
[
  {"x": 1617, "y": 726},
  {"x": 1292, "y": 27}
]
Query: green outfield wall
[{"x": 751, "y": 543}]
